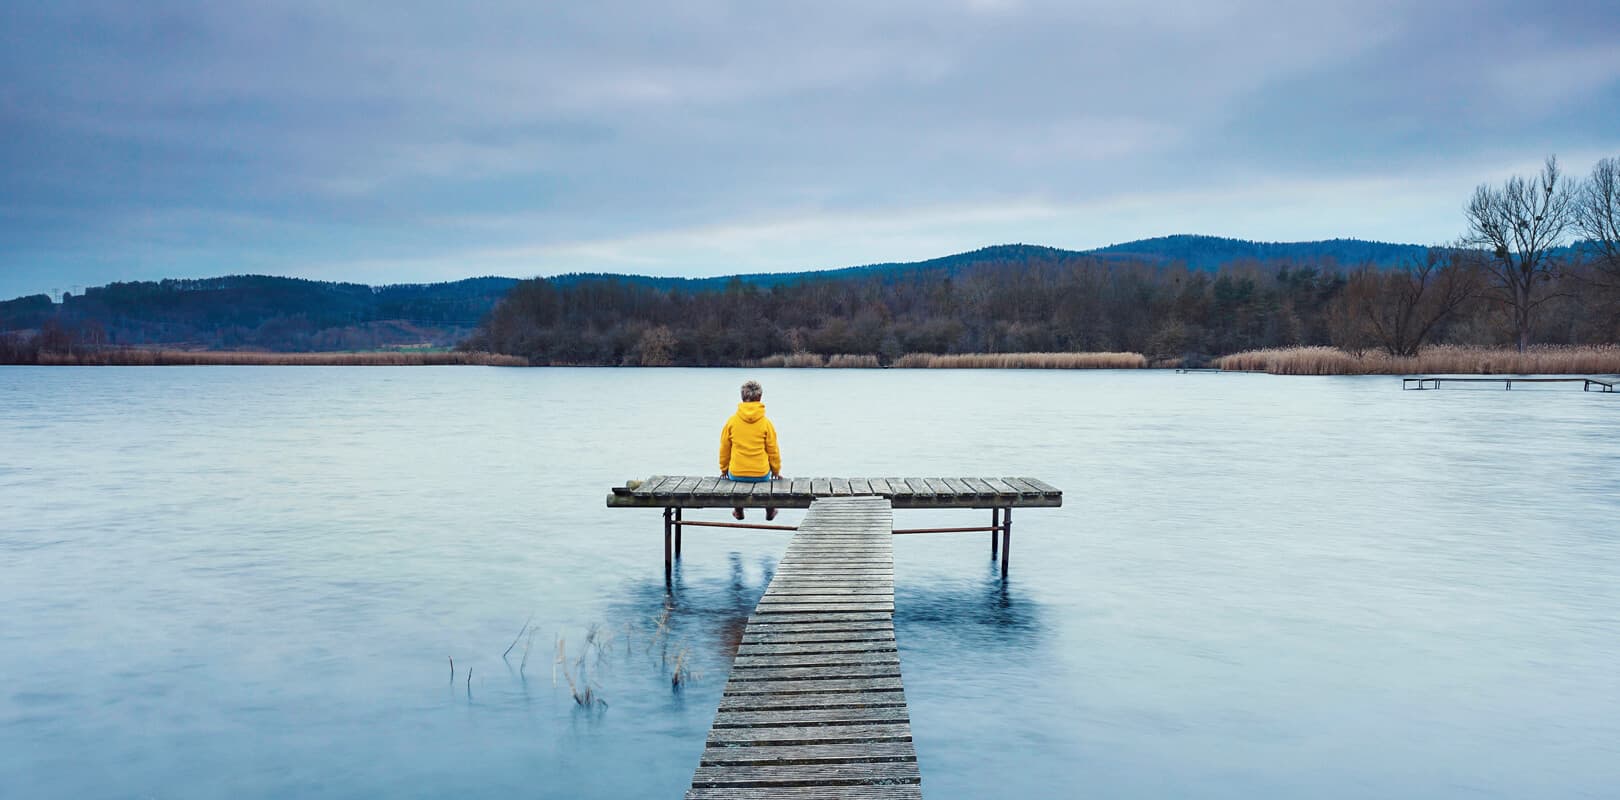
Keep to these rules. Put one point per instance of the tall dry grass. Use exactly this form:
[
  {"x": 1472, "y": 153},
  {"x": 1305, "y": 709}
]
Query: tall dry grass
[
  {"x": 852, "y": 361},
  {"x": 141, "y": 357},
  {"x": 1438, "y": 360},
  {"x": 1022, "y": 361},
  {"x": 793, "y": 360}
]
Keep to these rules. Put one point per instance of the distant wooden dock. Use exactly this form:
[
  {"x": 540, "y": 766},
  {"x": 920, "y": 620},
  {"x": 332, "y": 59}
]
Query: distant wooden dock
[
  {"x": 1430, "y": 383},
  {"x": 814, "y": 707},
  {"x": 676, "y": 493}
]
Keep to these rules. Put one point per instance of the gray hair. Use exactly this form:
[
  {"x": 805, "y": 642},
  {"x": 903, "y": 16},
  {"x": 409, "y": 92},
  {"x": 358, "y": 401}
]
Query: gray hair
[{"x": 751, "y": 392}]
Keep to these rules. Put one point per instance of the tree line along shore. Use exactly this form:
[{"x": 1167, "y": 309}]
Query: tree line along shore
[
  {"x": 1531, "y": 285},
  {"x": 1439, "y": 359}
]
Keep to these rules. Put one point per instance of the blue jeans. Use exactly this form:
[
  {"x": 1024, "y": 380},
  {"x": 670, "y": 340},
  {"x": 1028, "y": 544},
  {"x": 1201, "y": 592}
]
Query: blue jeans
[{"x": 747, "y": 479}]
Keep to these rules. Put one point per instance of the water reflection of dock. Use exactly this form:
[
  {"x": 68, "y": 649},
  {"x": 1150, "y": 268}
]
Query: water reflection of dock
[{"x": 814, "y": 706}]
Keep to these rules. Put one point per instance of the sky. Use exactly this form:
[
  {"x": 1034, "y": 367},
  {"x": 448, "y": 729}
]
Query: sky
[{"x": 402, "y": 141}]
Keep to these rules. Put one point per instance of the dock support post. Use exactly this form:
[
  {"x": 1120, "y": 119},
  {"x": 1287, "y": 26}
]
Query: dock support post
[
  {"x": 995, "y": 529},
  {"x": 669, "y": 515},
  {"x": 677, "y": 532},
  {"x": 1006, "y": 539}
]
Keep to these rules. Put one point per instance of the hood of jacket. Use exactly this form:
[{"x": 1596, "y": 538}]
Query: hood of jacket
[{"x": 751, "y": 412}]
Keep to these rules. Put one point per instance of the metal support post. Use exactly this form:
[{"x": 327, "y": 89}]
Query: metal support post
[
  {"x": 1006, "y": 540},
  {"x": 677, "y": 532},
  {"x": 995, "y": 529},
  {"x": 668, "y": 519}
]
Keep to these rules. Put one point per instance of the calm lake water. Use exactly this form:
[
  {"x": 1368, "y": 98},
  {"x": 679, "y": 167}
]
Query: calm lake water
[{"x": 249, "y": 582}]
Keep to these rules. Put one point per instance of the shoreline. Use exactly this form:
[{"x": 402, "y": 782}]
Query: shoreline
[{"x": 1320, "y": 361}]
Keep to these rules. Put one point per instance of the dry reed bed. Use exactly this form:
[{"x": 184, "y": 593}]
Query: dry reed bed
[
  {"x": 838, "y": 361},
  {"x": 138, "y": 357},
  {"x": 1441, "y": 359},
  {"x": 1022, "y": 361}
]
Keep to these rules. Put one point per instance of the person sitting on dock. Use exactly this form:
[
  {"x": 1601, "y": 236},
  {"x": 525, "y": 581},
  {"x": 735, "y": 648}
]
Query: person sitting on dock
[{"x": 748, "y": 445}]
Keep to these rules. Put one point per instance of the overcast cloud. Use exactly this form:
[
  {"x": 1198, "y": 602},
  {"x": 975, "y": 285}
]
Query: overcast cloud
[{"x": 390, "y": 142}]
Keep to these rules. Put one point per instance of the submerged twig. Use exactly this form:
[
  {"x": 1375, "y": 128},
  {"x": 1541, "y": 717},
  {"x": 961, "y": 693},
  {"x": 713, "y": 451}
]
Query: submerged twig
[
  {"x": 452, "y": 669},
  {"x": 517, "y": 637}
]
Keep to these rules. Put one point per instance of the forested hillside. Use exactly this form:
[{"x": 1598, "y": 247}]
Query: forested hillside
[
  {"x": 1183, "y": 297},
  {"x": 259, "y": 312}
]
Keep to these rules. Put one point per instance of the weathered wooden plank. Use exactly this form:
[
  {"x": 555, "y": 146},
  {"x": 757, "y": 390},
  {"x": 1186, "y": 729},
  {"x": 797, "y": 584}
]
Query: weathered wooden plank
[
  {"x": 816, "y": 608},
  {"x": 820, "y": 487},
  {"x": 808, "y": 753},
  {"x": 860, "y": 486},
  {"x": 880, "y": 486},
  {"x": 1046, "y": 488},
  {"x": 958, "y": 487},
  {"x": 885, "y": 585},
  {"x": 811, "y": 565},
  {"x": 800, "y": 487},
  {"x": 853, "y": 671},
  {"x": 650, "y": 485},
  {"x": 919, "y": 486},
  {"x": 829, "y": 592},
  {"x": 835, "y": 558},
  {"x": 851, "y": 641},
  {"x": 898, "y": 487},
  {"x": 812, "y": 734},
  {"x": 749, "y": 702},
  {"x": 1024, "y": 489},
  {"x": 830, "y": 774},
  {"x": 900, "y": 791},
  {"x": 681, "y": 488},
  {"x": 800, "y": 628},
  {"x": 937, "y": 486},
  {"x": 815, "y": 716},
  {"x": 1003, "y": 491},
  {"x": 810, "y": 648},
  {"x": 846, "y": 616},
  {"x": 814, "y": 659},
  {"x": 883, "y": 579},
  {"x": 800, "y": 600},
  {"x": 820, "y": 685}
]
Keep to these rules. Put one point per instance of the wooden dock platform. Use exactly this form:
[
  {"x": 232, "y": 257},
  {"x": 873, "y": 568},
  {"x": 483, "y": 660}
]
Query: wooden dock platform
[
  {"x": 676, "y": 493},
  {"x": 1431, "y": 383},
  {"x": 814, "y": 707},
  {"x": 691, "y": 491}
]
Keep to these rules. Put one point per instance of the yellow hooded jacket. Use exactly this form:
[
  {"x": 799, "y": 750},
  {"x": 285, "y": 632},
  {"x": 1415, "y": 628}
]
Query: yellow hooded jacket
[{"x": 748, "y": 443}]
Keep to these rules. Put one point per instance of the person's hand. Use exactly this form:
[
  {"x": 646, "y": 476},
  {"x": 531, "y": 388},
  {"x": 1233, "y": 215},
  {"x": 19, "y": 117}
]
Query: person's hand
[{"x": 776, "y": 476}]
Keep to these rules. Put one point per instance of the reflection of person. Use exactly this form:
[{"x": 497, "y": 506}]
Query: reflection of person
[{"x": 748, "y": 445}]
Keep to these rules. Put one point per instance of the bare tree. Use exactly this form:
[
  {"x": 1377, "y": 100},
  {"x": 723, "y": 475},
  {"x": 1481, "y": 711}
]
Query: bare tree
[
  {"x": 1597, "y": 216},
  {"x": 1404, "y": 306},
  {"x": 1521, "y": 223}
]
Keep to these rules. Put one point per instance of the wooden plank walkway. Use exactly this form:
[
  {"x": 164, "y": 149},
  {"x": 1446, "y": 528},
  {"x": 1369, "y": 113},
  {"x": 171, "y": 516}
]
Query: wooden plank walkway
[
  {"x": 814, "y": 707},
  {"x": 691, "y": 491}
]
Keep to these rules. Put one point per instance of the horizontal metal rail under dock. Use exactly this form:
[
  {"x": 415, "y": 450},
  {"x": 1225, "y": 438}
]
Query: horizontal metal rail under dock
[
  {"x": 814, "y": 706},
  {"x": 1587, "y": 384}
]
